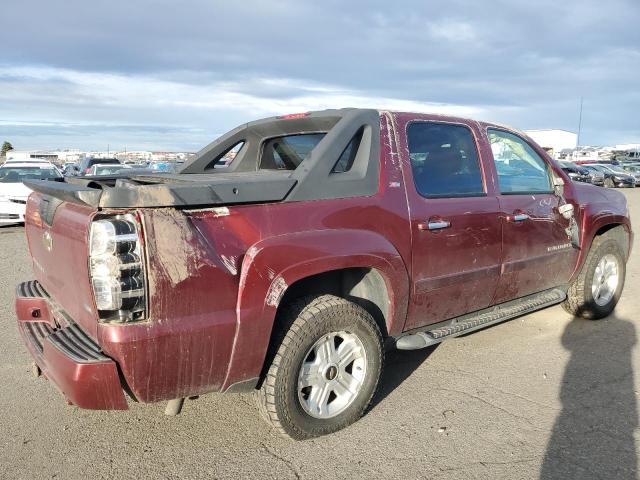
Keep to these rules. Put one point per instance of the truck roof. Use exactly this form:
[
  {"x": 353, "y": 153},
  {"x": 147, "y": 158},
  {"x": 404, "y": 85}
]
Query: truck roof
[{"x": 257, "y": 162}]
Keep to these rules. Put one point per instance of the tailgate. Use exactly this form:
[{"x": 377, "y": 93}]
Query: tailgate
[{"x": 57, "y": 233}]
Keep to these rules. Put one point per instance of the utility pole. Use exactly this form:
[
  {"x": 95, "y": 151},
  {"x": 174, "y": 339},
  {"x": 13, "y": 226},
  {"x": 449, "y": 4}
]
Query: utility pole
[{"x": 579, "y": 123}]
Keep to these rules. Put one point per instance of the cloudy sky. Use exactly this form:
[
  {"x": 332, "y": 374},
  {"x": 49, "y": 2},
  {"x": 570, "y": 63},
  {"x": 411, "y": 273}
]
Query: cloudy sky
[{"x": 174, "y": 75}]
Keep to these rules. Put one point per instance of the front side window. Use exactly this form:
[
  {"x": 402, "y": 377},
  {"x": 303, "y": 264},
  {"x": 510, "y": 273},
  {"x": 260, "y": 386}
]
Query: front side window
[
  {"x": 444, "y": 160},
  {"x": 289, "y": 151},
  {"x": 520, "y": 168}
]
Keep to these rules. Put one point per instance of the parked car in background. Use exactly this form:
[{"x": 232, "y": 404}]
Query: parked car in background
[
  {"x": 87, "y": 163},
  {"x": 163, "y": 167},
  {"x": 330, "y": 236},
  {"x": 621, "y": 177},
  {"x": 13, "y": 193},
  {"x": 597, "y": 178},
  {"x": 100, "y": 169},
  {"x": 577, "y": 173},
  {"x": 70, "y": 169},
  {"x": 632, "y": 169},
  {"x": 610, "y": 178}
]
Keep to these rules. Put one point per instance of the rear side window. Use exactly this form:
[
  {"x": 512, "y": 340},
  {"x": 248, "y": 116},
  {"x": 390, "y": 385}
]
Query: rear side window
[
  {"x": 520, "y": 169},
  {"x": 348, "y": 156},
  {"x": 287, "y": 152},
  {"x": 444, "y": 160},
  {"x": 224, "y": 160}
]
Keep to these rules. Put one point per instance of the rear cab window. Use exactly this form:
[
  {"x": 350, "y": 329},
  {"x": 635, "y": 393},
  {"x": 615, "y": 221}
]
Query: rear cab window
[
  {"x": 289, "y": 151},
  {"x": 520, "y": 169},
  {"x": 444, "y": 160}
]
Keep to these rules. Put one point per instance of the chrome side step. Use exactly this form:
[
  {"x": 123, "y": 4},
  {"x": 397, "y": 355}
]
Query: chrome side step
[{"x": 477, "y": 320}]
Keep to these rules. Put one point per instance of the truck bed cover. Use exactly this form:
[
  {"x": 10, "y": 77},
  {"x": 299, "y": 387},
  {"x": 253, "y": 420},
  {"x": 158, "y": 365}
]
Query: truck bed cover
[{"x": 171, "y": 190}]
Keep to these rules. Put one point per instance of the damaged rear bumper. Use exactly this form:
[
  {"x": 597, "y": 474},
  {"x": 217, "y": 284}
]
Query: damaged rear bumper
[{"x": 67, "y": 356}]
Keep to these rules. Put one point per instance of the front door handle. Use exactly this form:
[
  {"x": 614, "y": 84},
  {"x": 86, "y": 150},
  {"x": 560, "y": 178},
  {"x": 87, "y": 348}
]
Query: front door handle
[
  {"x": 434, "y": 225},
  {"x": 518, "y": 217}
]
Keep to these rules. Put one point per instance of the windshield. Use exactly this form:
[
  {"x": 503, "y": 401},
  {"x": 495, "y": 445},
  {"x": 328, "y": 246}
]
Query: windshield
[
  {"x": 108, "y": 169},
  {"x": 20, "y": 174}
]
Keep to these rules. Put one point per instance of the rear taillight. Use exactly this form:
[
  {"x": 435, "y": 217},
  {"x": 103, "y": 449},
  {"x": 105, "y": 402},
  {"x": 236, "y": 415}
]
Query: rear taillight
[{"x": 116, "y": 265}]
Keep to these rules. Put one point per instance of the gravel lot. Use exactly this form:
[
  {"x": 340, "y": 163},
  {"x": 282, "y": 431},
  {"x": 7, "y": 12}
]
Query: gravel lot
[{"x": 542, "y": 396}]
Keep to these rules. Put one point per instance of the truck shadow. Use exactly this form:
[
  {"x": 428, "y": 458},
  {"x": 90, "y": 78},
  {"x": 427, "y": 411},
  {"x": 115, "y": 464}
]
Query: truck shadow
[
  {"x": 593, "y": 434},
  {"x": 399, "y": 365}
]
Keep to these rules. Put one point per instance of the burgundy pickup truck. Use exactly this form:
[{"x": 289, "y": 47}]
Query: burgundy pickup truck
[{"x": 293, "y": 251}]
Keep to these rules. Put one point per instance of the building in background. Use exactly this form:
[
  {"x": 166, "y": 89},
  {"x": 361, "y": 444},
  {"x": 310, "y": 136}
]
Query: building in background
[
  {"x": 32, "y": 156},
  {"x": 554, "y": 141},
  {"x": 68, "y": 156},
  {"x": 61, "y": 157},
  {"x": 134, "y": 156}
]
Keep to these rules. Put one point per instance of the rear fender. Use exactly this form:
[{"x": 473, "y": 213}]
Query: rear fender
[{"x": 272, "y": 265}]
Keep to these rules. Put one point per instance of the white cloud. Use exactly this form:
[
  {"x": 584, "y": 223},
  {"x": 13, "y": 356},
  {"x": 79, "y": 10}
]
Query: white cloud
[
  {"x": 453, "y": 31},
  {"x": 114, "y": 91}
]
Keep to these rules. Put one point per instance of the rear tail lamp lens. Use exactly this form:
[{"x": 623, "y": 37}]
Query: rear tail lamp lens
[{"x": 117, "y": 269}]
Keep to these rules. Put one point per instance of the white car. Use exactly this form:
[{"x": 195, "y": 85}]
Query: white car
[{"x": 13, "y": 193}]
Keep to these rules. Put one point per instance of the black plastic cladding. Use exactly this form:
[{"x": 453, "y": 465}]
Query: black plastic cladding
[{"x": 199, "y": 184}]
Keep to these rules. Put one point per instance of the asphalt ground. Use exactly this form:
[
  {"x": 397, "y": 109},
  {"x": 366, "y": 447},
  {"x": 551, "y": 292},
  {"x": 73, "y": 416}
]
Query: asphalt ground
[{"x": 543, "y": 396}]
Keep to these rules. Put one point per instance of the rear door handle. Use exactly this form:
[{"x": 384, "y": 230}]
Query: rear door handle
[
  {"x": 518, "y": 217},
  {"x": 434, "y": 225}
]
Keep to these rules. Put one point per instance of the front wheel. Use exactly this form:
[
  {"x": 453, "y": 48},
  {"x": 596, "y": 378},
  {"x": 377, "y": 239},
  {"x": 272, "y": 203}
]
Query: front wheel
[
  {"x": 325, "y": 370},
  {"x": 597, "y": 288},
  {"x": 608, "y": 182}
]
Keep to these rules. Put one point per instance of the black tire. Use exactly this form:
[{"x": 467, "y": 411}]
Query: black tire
[
  {"x": 608, "y": 183},
  {"x": 305, "y": 322},
  {"x": 579, "y": 301}
]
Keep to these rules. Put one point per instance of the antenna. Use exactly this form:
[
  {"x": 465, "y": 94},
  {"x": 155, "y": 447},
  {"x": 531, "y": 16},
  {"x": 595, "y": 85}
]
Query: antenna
[{"x": 579, "y": 123}]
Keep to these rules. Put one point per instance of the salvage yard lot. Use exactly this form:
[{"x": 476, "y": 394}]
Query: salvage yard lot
[{"x": 542, "y": 396}]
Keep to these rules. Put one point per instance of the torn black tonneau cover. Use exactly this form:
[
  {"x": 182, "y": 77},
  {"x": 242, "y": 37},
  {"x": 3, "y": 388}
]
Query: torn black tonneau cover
[
  {"x": 150, "y": 191},
  {"x": 201, "y": 183}
]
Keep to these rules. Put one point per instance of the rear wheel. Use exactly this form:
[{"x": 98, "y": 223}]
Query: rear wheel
[
  {"x": 597, "y": 288},
  {"x": 608, "y": 182},
  {"x": 325, "y": 369}
]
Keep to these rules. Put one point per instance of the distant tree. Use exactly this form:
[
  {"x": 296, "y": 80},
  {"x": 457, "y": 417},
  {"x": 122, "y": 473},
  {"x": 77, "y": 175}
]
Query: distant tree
[{"x": 6, "y": 146}]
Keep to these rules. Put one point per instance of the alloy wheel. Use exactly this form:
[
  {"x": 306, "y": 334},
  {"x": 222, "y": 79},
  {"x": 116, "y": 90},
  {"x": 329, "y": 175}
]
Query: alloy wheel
[{"x": 332, "y": 374}]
